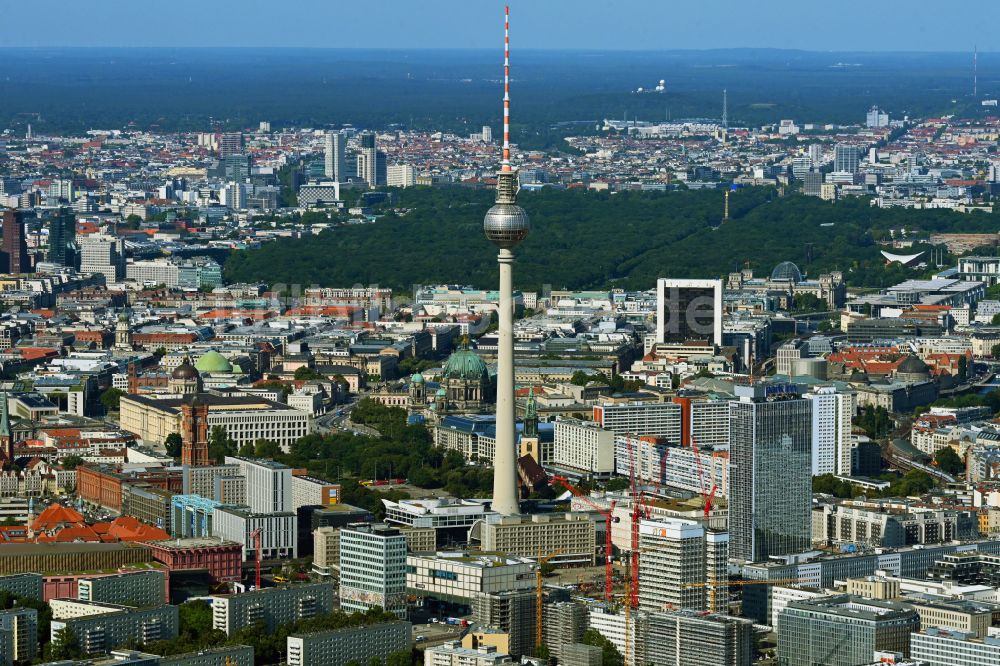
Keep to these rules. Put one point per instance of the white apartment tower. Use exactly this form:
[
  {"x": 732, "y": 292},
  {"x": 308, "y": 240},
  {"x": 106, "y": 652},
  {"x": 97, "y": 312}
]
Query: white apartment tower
[
  {"x": 832, "y": 440},
  {"x": 372, "y": 568}
]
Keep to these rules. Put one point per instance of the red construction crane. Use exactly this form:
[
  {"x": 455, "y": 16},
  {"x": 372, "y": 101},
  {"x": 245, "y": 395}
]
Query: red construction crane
[
  {"x": 709, "y": 495},
  {"x": 256, "y": 535},
  {"x": 609, "y": 519},
  {"x": 639, "y": 511}
]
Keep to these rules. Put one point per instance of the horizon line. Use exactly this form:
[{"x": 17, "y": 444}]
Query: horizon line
[{"x": 484, "y": 49}]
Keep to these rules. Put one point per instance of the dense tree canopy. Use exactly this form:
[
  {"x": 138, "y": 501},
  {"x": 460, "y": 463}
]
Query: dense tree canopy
[{"x": 586, "y": 239}]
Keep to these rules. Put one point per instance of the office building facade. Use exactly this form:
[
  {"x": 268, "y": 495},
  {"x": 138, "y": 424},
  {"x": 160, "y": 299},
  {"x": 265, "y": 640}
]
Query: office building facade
[
  {"x": 942, "y": 647},
  {"x": 18, "y": 635},
  {"x": 846, "y": 158},
  {"x": 15, "y": 247},
  {"x": 372, "y": 568},
  {"x": 689, "y": 638},
  {"x": 273, "y": 606},
  {"x": 341, "y": 646},
  {"x": 688, "y": 310},
  {"x": 671, "y": 564},
  {"x": 133, "y": 588},
  {"x": 269, "y": 484},
  {"x": 842, "y": 630},
  {"x": 335, "y": 157},
  {"x": 770, "y": 474}
]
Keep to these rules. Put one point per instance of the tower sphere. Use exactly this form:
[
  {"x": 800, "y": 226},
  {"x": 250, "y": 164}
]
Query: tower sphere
[{"x": 506, "y": 225}]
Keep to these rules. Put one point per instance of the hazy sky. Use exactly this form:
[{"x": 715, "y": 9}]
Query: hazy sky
[{"x": 885, "y": 25}]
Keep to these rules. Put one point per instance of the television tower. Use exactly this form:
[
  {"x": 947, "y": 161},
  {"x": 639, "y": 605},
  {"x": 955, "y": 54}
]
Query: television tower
[
  {"x": 506, "y": 224},
  {"x": 975, "y": 71},
  {"x": 725, "y": 109}
]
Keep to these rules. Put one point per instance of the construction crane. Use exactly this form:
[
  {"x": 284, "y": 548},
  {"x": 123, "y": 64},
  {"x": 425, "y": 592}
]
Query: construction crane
[
  {"x": 609, "y": 519},
  {"x": 713, "y": 585},
  {"x": 710, "y": 495},
  {"x": 637, "y": 515},
  {"x": 256, "y": 536},
  {"x": 542, "y": 559}
]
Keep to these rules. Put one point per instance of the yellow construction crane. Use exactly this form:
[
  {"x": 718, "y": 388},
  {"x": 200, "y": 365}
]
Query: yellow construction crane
[
  {"x": 542, "y": 559},
  {"x": 714, "y": 585}
]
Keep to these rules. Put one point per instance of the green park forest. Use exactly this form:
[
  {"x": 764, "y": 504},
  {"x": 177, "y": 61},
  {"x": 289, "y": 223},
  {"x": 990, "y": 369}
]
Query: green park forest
[{"x": 584, "y": 239}]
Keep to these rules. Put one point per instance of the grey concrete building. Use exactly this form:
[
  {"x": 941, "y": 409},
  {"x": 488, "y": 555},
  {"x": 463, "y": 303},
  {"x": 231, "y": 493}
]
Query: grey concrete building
[
  {"x": 512, "y": 612},
  {"x": 134, "y": 588},
  {"x": 337, "y": 647},
  {"x": 580, "y": 654},
  {"x": 100, "y": 633},
  {"x": 19, "y": 640},
  {"x": 272, "y": 606},
  {"x": 842, "y": 630},
  {"x": 563, "y": 624},
  {"x": 689, "y": 638},
  {"x": 28, "y": 585},
  {"x": 229, "y": 655}
]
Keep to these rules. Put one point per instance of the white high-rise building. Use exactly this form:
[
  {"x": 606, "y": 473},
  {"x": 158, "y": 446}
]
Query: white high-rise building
[
  {"x": 104, "y": 254},
  {"x": 816, "y": 154},
  {"x": 487, "y": 134},
  {"x": 234, "y": 195},
  {"x": 335, "y": 165},
  {"x": 401, "y": 175},
  {"x": 372, "y": 568},
  {"x": 269, "y": 484},
  {"x": 832, "y": 440},
  {"x": 671, "y": 564},
  {"x": 583, "y": 445}
]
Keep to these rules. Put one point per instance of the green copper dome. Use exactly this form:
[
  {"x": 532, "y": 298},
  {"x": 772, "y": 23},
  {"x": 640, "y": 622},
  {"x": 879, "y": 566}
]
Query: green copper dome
[
  {"x": 213, "y": 361},
  {"x": 417, "y": 378},
  {"x": 441, "y": 393},
  {"x": 466, "y": 364}
]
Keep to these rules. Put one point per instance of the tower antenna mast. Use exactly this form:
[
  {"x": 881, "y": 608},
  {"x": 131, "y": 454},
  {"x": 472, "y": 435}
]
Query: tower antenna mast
[
  {"x": 505, "y": 165},
  {"x": 975, "y": 71},
  {"x": 506, "y": 225},
  {"x": 725, "y": 109}
]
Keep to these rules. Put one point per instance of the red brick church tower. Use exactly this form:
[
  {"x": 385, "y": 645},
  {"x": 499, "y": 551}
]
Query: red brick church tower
[{"x": 194, "y": 448}]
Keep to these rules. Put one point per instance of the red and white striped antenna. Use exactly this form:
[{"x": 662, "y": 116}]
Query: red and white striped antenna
[{"x": 506, "y": 91}]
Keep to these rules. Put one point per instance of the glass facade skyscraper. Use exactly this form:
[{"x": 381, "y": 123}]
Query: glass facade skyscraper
[{"x": 770, "y": 479}]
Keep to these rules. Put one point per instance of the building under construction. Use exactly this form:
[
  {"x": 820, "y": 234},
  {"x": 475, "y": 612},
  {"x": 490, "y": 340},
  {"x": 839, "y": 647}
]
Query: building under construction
[
  {"x": 689, "y": 638},
  {"x": 511, "y": 612}
]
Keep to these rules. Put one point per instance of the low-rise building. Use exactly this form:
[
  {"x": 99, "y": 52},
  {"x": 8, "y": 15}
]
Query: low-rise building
[
  {"x": 457, "y": 577},
  {"x": 340, "y": 646},
  {"x": 943, "y": 647},
  {"x": 273, "y": 606},
  {"x": 525, "y": 536},
  {"x": 132, "y": 588},
  {"x": 101, "y": 632},
  {"x": 453, "y": 654}
]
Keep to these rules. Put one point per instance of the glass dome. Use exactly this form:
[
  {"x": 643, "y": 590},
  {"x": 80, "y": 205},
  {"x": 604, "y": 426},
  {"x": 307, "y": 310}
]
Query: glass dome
[{"x": 786, "y": 271}]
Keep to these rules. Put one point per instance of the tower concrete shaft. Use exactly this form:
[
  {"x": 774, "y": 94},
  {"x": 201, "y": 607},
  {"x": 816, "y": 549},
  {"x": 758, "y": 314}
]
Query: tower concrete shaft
[{"x": 505, "y": 459}]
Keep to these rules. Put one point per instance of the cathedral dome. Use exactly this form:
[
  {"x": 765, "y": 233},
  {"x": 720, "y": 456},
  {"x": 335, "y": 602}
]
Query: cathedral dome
[
  {"x": 185, "y": 371},
  {"x": 417, "y": 378},
  {"x": 466, "y": 364}
]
